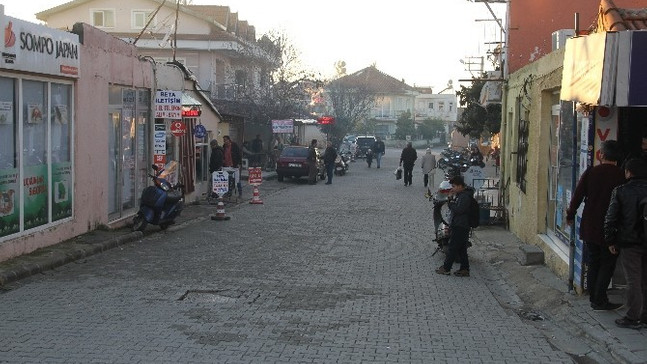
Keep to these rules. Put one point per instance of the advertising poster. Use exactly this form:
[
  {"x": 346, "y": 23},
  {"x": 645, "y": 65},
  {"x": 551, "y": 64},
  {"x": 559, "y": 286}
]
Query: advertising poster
[
  {"x": 6, "y": 112},
  {"x": 61, "y": 190},
  {"x": 9, "y": 209},
  {"x": 35, "y": 194}
]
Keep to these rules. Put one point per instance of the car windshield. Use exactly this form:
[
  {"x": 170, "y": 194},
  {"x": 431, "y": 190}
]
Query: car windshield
[{"x": 294, "y": 152}]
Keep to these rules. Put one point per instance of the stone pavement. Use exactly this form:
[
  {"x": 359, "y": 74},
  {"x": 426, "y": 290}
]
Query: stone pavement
[{"x": 337, "y": 269}]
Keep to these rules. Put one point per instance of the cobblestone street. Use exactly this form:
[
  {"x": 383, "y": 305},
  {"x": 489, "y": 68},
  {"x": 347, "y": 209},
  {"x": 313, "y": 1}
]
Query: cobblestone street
[{"x": 339, "y": 273}]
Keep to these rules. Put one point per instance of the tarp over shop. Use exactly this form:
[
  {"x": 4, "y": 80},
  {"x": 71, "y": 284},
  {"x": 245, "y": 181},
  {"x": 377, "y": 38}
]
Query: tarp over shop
[{"x": 606, "y": 69}]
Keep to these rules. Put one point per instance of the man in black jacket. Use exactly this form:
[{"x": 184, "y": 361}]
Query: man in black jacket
[
  {"x": 379, "y": 149},
  {"x": 407, "y": 159},
  {"x": 215, "y": 163},
  {"x": 623, "y": 231},
  {"x": 459, "y": 228}
]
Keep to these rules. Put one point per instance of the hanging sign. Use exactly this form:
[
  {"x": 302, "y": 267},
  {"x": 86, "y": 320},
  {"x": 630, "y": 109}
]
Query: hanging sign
[
  {"x": 255, "y": 176},
  {"x": 200, "y": 131},
  {"x": 178, "y": 128},
  {"x": 168, "y": 104},
  {"x": 220, "y": 182}
]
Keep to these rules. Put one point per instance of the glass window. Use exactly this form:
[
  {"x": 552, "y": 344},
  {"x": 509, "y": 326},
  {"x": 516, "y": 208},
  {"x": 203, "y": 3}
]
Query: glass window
[
  {"x": 9, "y": 181},
  {"x": 140, "y": 18},
  {"x": 61, "y": 155},
  {"x": 103, "y": 18}
]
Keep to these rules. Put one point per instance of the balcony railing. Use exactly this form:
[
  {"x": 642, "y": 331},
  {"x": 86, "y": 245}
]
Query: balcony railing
[{"x": 228, "y": 91}]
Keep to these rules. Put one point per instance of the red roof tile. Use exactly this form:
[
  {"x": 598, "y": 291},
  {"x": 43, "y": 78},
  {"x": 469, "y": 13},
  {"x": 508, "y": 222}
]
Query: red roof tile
[
  {"x": 376, "y": 81},
  {"x": 612, "y": 18}
]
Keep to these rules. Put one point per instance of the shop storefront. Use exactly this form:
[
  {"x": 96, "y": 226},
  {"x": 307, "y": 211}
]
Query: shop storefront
[{"x": 36, "y": 126}]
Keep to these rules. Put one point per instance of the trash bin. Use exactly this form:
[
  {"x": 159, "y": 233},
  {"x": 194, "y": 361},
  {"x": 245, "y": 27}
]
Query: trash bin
[{"x": 484, "y": 213}]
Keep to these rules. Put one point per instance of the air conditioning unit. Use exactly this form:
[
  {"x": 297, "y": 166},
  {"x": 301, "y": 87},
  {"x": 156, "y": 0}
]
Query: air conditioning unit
[{"x": 560, "y": 36}]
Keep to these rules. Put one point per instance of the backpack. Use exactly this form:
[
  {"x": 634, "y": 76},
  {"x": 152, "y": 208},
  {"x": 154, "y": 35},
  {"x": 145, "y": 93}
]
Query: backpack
[{"x": 474, "y": 213}]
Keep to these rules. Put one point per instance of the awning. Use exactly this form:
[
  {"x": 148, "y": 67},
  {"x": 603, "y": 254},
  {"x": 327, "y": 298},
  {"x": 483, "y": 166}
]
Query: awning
[
  {"x": 606, "y": 69},
  {"x": 188, "y": 100}
]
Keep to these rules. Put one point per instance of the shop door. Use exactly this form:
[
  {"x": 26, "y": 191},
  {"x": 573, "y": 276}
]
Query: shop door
[{"x": 122, "y": 163}]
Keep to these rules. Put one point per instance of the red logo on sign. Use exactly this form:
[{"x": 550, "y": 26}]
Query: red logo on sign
[{"x": 178, "y": 128}]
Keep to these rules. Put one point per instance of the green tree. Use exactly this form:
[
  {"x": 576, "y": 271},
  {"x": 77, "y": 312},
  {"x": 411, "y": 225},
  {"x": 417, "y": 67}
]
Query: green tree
[
  {"x": 476, "y": 119},
  {"x": 405, "y": 126},
  {"x": 429, "y": 128}
]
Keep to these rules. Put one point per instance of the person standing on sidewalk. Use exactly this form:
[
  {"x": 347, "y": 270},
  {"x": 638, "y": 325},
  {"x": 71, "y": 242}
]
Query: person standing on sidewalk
[
  {"x": 378, "y": 150},
  {"x": 215, "y": 163},
  {"x": 623, "y": 230},
  {"x": 407, "y": 160},
  {"x": 312, "y": 162},
  {"x": 232, "y": 160},
  {"x": 595, "y": 187},
  {"x": 459, "y": 228},
  {"x": 329, "y": 161},
  {"x": 428, "y": 166}
]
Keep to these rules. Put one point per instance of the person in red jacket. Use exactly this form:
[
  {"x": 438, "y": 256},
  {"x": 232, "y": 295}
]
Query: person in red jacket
[{"x": 594, "y": 189}]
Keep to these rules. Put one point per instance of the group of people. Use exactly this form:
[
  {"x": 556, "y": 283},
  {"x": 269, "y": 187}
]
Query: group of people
[
  {"x": 226, "y": 158},
  {"x": 612, "y": 228}
]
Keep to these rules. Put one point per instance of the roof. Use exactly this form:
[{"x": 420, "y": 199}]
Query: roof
[
  {"x": 376, "y": 81},
  {"x": 612, "y": 18}
]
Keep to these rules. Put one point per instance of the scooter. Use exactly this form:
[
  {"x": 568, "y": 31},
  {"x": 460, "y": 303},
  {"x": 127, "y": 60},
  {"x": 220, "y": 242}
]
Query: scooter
[
  {"x": 160, "y": 204},
  {"x": 341, "y": 164},
  {"x": 441, "y": 217}
]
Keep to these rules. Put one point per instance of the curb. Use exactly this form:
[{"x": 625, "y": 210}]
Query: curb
[{"x": 60, "y": 258}]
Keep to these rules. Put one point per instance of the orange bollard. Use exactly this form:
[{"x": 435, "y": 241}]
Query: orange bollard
[{"x": 220, "y": 211}]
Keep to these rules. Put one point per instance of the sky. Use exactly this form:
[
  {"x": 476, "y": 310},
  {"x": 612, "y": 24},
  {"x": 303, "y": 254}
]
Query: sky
[{"x": 420, "y": 41}]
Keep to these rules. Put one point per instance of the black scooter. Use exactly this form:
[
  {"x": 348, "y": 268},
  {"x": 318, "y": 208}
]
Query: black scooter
[{"x": 160, "y": 204}]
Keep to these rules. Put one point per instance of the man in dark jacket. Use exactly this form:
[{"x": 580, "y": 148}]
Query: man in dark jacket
[
  {"x": 329, "y": 161},
  {"x": 595, "y": 187},
  {"x": 312, "y": 162},
  {"x": 407, "y": 159},
  {"x": 232, "y": 159},
  {"x": 459, "y": 228},
  {"x": 215, "y": 163},
  {"x": 379, "y": 149},
  {"x": 623, "y": 231}
]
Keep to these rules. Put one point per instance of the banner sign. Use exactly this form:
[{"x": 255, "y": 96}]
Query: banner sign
[
  {"x": 37, "y": 48},
  {"x": 220, "y": 182},
  {"x": 255, "y": 176},
  {"x": 168, "y": 104},
  {"x": 282, "y": 126}
]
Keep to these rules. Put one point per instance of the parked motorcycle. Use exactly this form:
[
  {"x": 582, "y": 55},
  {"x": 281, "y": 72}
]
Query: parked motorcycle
[
  {"x": 441, "y": 217},
  {"x": 341, "y": 163},
  {"x": 160, "y": 204}
]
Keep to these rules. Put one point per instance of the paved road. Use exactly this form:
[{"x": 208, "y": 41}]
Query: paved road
[{"x": 339, "y": 273}]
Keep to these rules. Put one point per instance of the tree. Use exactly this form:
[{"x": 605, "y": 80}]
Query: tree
[
  {"x": 477, "y": 119},
  {"x": 429, "y": 128},
  {"x": 405, "y": 126},
  {"x": 351, "y": 104}
]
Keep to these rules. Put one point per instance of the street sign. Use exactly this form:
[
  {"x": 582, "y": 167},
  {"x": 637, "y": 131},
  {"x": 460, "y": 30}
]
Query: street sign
[
  {"x": 255, "y": 176},
  {"x": 220, "y": 182},
  {"x": 178, "y": 128}
]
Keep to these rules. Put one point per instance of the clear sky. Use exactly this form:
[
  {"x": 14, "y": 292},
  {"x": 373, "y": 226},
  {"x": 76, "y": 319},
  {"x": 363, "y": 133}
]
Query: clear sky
[{"x": 420, "y": 41}]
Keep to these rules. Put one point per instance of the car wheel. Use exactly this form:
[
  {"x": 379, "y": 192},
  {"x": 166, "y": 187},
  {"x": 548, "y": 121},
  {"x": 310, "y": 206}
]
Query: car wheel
[{"x": 279, "y": 177}]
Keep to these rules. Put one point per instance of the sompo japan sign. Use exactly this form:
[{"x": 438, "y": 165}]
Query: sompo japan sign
[{"x": 168, "y": 104}]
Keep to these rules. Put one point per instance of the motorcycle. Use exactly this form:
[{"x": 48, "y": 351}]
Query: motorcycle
[
  {"x": 441, "y": 217},
  {"x": 160, "y": 204},
  {"x": 341, "y": 164}
]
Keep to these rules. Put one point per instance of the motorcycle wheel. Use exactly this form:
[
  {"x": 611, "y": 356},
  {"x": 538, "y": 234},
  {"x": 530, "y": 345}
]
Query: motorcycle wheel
[
  {"x": 165, "y": 225},
  {"x": 139, "y": 223}
]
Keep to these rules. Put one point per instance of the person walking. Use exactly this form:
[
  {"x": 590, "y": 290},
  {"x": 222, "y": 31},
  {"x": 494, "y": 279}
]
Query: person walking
[
  {"x": 594, "y": 188},
  {"x": 407, "y": 160},
  {"x": 232, "y": 160},
  {"x": 459, "y": 227},
  {"x": 329, "y": 161},
  {"x": 312, "y": 162},
  {"x": 624, "y": 232},
  {"x": 215, "y": 163},
  {"x": 257, "y": 150},
  {"x": 378, "y": 151},
  {"x": 428, "y": 166}
]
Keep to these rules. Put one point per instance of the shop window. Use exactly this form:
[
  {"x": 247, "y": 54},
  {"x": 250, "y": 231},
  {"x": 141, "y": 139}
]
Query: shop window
[
  {"x": 9, "y": 179},
  {"x": 61, "y": 161},
  {"x": 103, "y": 18}
]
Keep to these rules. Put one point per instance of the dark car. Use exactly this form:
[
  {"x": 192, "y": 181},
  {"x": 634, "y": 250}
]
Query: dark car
[
  {"x": 364, "y": 143},
  {"x": 293, "y": 162}
]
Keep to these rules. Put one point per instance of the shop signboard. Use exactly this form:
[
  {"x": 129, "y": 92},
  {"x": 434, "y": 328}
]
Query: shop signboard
[
  {"x": 255, "y": 176},
  {"x": 283, "y": 126},
  {"x": 220, "y": 182},
  {"x": 36, "y": 48},
  {"x": 9, "y": 208},
  {"x": 168, "y": 104}
]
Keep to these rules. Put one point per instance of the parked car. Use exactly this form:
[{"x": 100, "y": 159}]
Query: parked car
[
  {"x": 293, "y": 162},
  {"x": 364, "y": 143}
]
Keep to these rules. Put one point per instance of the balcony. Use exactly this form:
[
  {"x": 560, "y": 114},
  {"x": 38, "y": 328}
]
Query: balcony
[{"x": 228, "y": 91}]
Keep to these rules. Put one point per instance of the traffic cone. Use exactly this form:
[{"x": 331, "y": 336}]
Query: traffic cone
[
  {"x": 256, "y": 198},
  {"x": 220, "y": 211}
]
